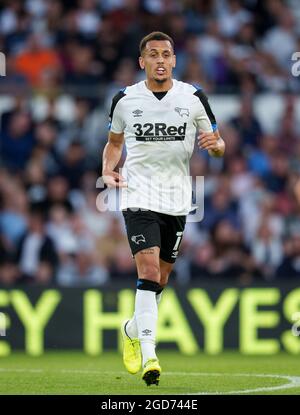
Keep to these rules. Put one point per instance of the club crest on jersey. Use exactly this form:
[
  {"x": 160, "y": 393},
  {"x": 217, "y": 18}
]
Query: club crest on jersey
[
  {"x": 138, "y": 238},
  {"x": 137, "y": 113},
  {"x": 182, "y": 111}
]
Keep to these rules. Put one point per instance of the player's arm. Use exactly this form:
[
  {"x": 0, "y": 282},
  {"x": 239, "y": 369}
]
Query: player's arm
[
  {"x": 206, "y": 121},
  {"x": 113, "y": 150},
  {"x": 111, "y": 156}
]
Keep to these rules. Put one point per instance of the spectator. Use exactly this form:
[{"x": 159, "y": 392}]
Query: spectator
[
  {"x": 280, "y": 41},
  {"x": 8, "y": 269},
  {"x": 247, "y": 124},
  {"x": 13, "y": 216},
  {"x": 73, "y": 165},
  {"x": 38, "y": 62},
  {"x": 290, "y": 265},
  {"x": 267, "y": 250},
  {"x": 36, "y": 254},
  {"x": 259, "y": 159},
  {"x": 59, "y": 228},
  {"x": 9, "y": 17},
  {"x": 201, "y": 261},
  {"x": 17, "y": 142},
  {"x": 276, "y": 179},
  {"x": 81, "y": 54},
  {"x": 84, "y": 72},
  {"x": 87, "y": 19},
  {"x": 220, "y": 207},
  {"x": 81, "y": 269},
  {"x": 123, "y": 265},
  {"x": 57, "y": 193},
  {"x": 241, "y": 180},
  {"x": 232, "y": 16},
  {"x": 108, "y": 244},
  {"x": 232, "y": 259}
]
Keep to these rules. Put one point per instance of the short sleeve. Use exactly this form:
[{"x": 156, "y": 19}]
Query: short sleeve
[
  {"x": 116, "y": 119},
  {"x": 205, "y": 119}
]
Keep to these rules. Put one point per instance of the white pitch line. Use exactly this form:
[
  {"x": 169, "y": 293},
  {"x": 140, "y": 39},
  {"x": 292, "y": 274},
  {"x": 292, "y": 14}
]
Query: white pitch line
[
  {"x": 293, "y": 381},
  {"x": 21, "y": 370}
]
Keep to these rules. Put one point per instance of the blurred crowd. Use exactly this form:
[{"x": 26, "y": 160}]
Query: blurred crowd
[
  {"x": 51, "y": 230},
  {"x": 92, "y": 45}
]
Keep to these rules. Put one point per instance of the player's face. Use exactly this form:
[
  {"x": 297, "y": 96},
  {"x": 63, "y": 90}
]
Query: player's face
[{"x": 158, "y": 60}]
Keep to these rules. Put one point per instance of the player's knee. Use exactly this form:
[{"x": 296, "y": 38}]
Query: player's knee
[{"x": 150, "y": 272}]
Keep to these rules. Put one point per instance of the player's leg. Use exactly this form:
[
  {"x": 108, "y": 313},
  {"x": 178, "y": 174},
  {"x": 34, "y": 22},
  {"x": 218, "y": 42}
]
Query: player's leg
[
  {"x": 165, "y": 271},
  {"x": 129, "y": 327},
  {"x": 154, "y": 265},
  {"x": 144, "y": 238},
  {"x": 146, "y": 312},
  {"x": 171, "y": 231},
  {"x": 141, "y": 224}
]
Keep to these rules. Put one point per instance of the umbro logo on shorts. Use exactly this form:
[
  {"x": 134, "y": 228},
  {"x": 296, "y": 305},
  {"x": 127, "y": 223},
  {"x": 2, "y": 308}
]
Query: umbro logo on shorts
[
  {"x": 147, "y": 332},
  {"x": 138, "y": 238}
]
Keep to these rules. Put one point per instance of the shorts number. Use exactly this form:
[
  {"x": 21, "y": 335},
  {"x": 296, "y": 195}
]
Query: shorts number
[{"x": 179, "y": 237}]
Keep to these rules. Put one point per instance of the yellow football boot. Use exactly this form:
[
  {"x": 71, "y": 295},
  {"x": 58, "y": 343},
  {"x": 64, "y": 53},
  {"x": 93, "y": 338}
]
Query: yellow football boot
[
  {"x": 151, "y": 372},
  {"x": 132, "y": 357}
]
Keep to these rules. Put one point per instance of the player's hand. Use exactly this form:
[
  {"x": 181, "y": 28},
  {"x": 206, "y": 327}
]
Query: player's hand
[
  {"x": 212, "y": 142},
  {"x": 113, "y": 179},
  {"x": 208, "y": 141}
]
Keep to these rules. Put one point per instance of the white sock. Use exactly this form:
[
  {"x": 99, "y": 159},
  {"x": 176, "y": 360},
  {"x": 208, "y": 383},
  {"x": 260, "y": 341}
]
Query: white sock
[
  {"x": 131, "y": 326},
  {"x": 146, "y": 319},
  {"x": 158, "y": 297}
]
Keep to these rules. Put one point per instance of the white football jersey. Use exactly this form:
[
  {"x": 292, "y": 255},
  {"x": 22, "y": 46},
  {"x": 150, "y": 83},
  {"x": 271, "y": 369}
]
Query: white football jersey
[{"x": 159, "y": 137}]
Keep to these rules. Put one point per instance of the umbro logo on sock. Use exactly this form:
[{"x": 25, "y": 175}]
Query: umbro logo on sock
[{"x": 147, "y": 332}]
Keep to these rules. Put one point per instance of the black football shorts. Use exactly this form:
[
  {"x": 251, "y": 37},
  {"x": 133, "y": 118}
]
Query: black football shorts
[{"x": 146, "y": 228}]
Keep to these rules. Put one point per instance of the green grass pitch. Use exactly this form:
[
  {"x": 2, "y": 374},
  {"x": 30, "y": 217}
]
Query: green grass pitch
[{"x": 57, "y": 373}]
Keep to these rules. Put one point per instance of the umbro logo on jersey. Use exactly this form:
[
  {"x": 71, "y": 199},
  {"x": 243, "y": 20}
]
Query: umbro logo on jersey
[
  {"x": 137, "y": 113},
  {"x": 147, "y": 332},
  {"x": 138, "y": 238},
  {"x": 182, "y": 111}
]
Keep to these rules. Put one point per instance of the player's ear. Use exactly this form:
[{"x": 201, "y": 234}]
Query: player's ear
[
  {"x": 174, "y": 61},
  {"x": 141, "y": 62}
]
